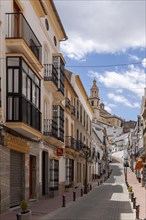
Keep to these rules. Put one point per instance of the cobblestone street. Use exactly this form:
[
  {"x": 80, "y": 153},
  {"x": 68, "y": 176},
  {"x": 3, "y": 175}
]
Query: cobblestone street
[{"x": 109, "y": 201}]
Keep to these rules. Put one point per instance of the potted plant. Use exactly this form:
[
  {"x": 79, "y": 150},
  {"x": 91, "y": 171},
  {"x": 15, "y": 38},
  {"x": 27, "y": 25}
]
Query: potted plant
[
  {"x": 129, "y": 188},
  {"x": 25, "y": 214}
]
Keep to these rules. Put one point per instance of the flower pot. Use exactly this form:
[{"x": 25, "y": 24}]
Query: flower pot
[{"x": 24, "y": 216}]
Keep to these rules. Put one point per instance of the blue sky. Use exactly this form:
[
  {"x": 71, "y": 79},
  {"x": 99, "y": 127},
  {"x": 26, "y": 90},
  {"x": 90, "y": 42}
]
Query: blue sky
[{"x": 102, "y": 36}]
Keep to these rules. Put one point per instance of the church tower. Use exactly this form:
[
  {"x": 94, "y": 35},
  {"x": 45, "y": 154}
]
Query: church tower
[{"x": 95, "y": 100}]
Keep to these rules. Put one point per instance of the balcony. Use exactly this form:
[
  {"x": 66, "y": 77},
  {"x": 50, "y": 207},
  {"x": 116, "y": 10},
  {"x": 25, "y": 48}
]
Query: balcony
[
  {"x": 50, "y": 77},
  {"x": 69, "y": 142},
  {"x": 51, "y": 132},
  {"x": 50, "y": 128},
  {"x": 20, "y": 38},
  {"x": 72, "y": 146},
  {"x": 73, "y": 110},
  {"x": 59, "y": 94},
  {"x": 67, "y": 103}
]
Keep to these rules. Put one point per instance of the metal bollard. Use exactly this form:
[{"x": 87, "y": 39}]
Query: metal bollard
[
  {"x": 63, "y": 201},
  {"x": 134, "y": 203},
  {"x": 90, "y": 187},
  {"x": 132, "y": 196},
  {"x": 74, "y": 196},
  {"x": 81, "y": 192},
  {"x": 137, "y": 211},
  {"x": 18, "y": 216}
]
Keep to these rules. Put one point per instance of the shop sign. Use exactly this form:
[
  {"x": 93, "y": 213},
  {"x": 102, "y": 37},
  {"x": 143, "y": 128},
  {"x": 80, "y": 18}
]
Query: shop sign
[
  {"x": 59, "y": 151},
  {"x": 16, "y": 143}
]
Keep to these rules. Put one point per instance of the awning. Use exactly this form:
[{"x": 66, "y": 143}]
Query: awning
[{"x": 139, "y": 164}]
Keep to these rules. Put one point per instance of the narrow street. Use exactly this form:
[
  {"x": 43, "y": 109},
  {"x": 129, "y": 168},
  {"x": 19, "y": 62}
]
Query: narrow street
[{"x": 107, "y": 202}]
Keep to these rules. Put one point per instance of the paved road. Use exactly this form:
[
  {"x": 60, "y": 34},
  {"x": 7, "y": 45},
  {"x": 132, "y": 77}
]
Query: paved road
[{"x": 106, "y": 202}]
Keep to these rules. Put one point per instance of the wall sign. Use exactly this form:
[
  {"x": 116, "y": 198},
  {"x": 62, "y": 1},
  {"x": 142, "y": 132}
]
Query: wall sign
[
  {"x": 16, "y": 143},
  {"x": 59, "y": 151}
]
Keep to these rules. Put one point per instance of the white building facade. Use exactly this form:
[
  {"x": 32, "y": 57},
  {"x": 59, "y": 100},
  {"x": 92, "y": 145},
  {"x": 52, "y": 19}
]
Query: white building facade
[{"x": 32, "y": 88}]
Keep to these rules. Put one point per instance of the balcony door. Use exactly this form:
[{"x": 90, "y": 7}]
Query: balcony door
[{"x": 46, "y": 61}]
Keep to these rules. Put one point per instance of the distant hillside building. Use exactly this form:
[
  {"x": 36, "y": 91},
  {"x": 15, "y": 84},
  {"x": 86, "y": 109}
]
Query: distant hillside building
[{"x": 127, "y": 125}]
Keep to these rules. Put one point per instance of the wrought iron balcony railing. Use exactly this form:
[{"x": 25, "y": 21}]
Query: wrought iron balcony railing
[
  {"x": 69, "y": 142},
  {"x": 73, "y": 110},
  {"x": 67, "y": 103},
  {"x": 19, "y": 28},
  {"x": 50, "y": 128},
  {"x": 51, "y": 73}
]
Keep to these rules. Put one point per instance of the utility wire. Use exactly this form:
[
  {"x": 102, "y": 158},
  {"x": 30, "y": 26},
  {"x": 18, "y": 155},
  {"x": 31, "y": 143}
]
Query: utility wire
[
  {"x": 87, "y": 66},
  {"x": 106, "y": 65}
]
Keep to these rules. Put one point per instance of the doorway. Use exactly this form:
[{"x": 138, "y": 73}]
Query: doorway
[
  {"x": 32, "y": 177},
  {"x": 44, "y": 173}
]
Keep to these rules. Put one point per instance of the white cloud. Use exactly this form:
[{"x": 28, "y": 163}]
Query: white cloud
[
  {"x": 101, "y": 26},
  {"x": 134, "y": 57},
  {"x": 132, "y": 79},
  {"x": 144, "y": 62},
  {"x": 119, "y": 90},
  {"x": 107, "y": 108},
  {"x": 123, "y": 100}
]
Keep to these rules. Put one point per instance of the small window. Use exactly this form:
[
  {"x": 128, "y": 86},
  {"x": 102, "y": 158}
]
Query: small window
[
  {"x": 55, "y": 41},
  {"x": 47, "y": 24}
]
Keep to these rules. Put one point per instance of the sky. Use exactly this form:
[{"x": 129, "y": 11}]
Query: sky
[{"x": 107, "y": 42}]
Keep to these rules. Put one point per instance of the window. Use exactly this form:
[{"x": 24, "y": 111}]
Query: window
[
  {"x": 54, "y": 174},
  {"x": 80, "y": 113},
  {"x": 28, "y": 88},
  {"x": 84, "y": 119},
  {"x": 77, "y": 109},
  {"x": 87, "y": 123},
  {"x": 55, "y": 41},
  {"x": 10, "y": 80},
  {"x": 24, "y": 83},
  {"x": 77, "y": 134},
  {"x": 16, "y": 108},
  {"x": 78, "y": 172},
  {"x": 13, "y": 80},
  {"x": 16, "y": 81},
  {"x": 33, "y": 93},
  {"x": 58, "y": 117},
  {"x": 69, "y": 172},
  {"x": 47, "y": 24},
  {"x": 10, "y": 108}
]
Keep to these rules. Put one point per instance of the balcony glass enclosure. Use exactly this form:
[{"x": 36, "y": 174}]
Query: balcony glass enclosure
[{"x": 23, "y": 93}]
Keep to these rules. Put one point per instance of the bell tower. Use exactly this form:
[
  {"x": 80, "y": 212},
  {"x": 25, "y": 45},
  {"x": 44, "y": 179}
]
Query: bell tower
[{"x": 95, "y": 100}]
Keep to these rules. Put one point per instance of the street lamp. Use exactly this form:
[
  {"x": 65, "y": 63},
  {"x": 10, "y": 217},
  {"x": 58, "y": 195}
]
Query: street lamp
[{"x": 86, "y": 153}]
